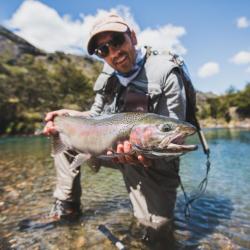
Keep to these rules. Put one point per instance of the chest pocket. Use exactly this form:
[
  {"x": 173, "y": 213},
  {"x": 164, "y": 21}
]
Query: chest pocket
[
  {"x": 133, "y": 99},
  {"x": 139, "y": 96}
]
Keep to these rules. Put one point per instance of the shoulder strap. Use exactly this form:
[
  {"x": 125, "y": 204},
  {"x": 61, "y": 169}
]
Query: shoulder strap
[
  {"x": 190, "y": 95},
  {"x": 101, "y": 81}
]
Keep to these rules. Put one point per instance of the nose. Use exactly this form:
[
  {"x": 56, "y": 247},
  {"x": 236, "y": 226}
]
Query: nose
[{"x": 114, "y": 52}]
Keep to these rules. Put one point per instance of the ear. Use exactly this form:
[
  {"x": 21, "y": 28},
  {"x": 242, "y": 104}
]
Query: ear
[{"x": 133, "y": 37}]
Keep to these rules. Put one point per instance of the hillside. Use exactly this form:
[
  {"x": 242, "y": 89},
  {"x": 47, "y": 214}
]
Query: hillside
[
  {"x": 228, "y": 110},
  {"x": 34, "y": 82}
]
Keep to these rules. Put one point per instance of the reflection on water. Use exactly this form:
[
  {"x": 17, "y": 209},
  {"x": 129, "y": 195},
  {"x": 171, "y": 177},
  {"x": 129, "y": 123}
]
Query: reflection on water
[{"x": 219, "y": 220}]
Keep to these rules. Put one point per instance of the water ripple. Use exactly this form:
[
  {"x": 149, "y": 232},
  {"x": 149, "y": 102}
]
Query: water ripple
[{"x": 219, "y": 220}]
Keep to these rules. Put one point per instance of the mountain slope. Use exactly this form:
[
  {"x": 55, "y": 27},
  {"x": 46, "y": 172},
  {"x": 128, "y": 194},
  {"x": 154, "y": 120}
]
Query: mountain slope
[
  {"x": 33, "y": 82},
  {"x": 12, "y": 46}
]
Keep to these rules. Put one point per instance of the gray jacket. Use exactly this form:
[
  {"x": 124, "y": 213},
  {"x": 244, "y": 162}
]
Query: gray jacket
[{"x": 159, "y": 79}]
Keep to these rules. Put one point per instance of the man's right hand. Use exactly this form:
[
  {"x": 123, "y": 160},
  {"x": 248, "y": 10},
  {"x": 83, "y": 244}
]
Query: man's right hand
[{"x": 50, "y": 128}]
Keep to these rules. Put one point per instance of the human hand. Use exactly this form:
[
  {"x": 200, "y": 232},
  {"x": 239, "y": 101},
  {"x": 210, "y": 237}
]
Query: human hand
[
  {"x": 49, "y": 127},
  {"x": 126, "y": 147}
]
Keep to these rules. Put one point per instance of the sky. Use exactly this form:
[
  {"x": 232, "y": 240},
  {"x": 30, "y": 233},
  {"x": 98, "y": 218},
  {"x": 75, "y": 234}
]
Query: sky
[{"x": 213, "y": 36}]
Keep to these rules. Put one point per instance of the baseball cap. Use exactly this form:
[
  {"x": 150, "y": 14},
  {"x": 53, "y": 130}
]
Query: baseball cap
[{"x": 111, "y": 22}]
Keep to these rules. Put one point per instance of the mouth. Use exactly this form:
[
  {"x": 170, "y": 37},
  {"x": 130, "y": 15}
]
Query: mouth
[
  {"x": 175, "y": 144},
  {"x": 121, "y": 59},
  {"x": 172, "y": 147}
]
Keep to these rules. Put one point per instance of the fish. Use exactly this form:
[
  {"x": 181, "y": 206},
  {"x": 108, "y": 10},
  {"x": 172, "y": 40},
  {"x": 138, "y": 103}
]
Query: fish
[{"x": 151, "y": 135}]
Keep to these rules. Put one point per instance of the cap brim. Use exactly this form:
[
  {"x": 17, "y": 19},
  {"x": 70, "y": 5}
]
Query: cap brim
[{"x": 115, "y": 27}]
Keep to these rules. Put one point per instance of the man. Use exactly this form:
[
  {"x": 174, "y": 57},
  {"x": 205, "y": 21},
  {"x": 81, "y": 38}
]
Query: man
[{"x": 132, "y": 80}]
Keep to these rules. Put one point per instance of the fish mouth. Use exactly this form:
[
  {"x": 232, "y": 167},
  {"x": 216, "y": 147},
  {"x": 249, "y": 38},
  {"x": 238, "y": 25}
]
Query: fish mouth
[
  {"x": 172, "y": 147},
  {"x": 175, "y": 144}
]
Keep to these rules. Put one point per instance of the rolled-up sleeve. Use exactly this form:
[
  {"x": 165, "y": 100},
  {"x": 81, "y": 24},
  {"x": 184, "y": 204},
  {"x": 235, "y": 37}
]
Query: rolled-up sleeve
[{"x": 173, "y": 99}]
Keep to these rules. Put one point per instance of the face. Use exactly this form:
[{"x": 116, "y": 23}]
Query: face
[{"x": 121, "y": 58}]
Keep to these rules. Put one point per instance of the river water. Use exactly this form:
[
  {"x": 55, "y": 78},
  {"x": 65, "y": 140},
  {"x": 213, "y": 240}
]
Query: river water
[{"x": 220, "y": 219}]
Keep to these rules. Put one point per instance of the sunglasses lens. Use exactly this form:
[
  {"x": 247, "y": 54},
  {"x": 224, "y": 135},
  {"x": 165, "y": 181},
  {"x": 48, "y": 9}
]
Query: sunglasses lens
[
  {"x": 102, "y": 51},
  {"x": 118, "y": 40}
]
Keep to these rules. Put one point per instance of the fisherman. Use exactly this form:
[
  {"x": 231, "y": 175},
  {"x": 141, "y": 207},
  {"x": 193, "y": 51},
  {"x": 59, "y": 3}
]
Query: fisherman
[{"x": 133, "y": 79}]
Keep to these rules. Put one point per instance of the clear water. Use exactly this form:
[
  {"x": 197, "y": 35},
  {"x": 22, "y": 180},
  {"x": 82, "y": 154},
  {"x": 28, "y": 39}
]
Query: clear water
[{"x": 220, "y": 219}]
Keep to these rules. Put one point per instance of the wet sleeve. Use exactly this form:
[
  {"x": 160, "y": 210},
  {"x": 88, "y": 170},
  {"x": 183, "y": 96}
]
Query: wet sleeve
[{"x": 173, "y": 99}]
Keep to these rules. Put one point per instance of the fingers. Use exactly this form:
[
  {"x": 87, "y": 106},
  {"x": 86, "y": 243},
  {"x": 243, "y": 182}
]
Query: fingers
[
  {"x": 120, "y": 150},
  {"x": 50, "y": 116},
  {"x": 125, "y": 148},
  {"x": 144, "y": 161},
  {"x": 49, "y": 128}
]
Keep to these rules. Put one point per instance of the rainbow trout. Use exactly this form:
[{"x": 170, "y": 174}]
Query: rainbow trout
[{"x": 151, "y": 135}]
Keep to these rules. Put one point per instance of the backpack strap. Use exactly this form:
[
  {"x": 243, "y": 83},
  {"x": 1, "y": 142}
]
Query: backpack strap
[
  {"x": 108, "y": 84},
  {"x": 102, "y": 80},
  {"x": 191, "y": 101}
]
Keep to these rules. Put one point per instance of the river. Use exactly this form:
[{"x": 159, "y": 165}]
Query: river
[{"x": 220, "y": 219}]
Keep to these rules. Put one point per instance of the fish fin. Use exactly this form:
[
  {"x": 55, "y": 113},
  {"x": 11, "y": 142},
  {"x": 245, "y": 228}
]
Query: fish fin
[
  {"x": 94, "y": 164},
  {"x": 57, "y": 145},
  {"x": 79, "y": 160}
]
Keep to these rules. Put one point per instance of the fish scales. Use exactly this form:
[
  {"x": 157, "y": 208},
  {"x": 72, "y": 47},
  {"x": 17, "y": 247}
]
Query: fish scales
[
  {"x": 148, "y": 133},
  {"x": 97, "y": 135}
]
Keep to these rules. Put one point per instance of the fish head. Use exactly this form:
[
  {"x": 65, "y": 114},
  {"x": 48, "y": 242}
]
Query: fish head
[{"x": 164, "y": 135}]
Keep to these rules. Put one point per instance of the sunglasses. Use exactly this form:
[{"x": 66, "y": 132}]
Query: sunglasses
[{"x": 116, "y": 42}]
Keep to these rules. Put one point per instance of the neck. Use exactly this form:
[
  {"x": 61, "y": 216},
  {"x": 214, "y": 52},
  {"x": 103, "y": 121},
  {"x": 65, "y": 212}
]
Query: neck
[{"x": 139, "y": 61}]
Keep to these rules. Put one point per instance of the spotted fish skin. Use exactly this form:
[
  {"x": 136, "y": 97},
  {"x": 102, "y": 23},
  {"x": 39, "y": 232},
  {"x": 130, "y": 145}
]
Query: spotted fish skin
[{"x": 148, "y": 133}]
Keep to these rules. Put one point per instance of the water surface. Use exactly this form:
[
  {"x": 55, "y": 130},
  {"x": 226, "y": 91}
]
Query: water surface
[{"x": 220, "y": 219}]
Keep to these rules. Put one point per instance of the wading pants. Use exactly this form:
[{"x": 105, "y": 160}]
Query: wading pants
[{"x": 152, "y": 190}]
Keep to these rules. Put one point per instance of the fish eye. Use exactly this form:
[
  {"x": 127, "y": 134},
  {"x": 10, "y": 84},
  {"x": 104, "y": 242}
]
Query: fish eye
[{"x": 165, "y": 127}]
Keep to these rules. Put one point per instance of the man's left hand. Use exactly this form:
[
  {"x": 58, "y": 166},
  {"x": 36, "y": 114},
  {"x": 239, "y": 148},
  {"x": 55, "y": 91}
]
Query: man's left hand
[{"x": 126, "y": 147}]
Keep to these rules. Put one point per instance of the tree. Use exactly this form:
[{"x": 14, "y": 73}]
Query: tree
[{"x": 243, "y": 101}]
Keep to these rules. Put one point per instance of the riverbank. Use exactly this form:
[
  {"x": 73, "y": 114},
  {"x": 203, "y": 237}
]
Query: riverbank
[{"x": 221, "y": 123}]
